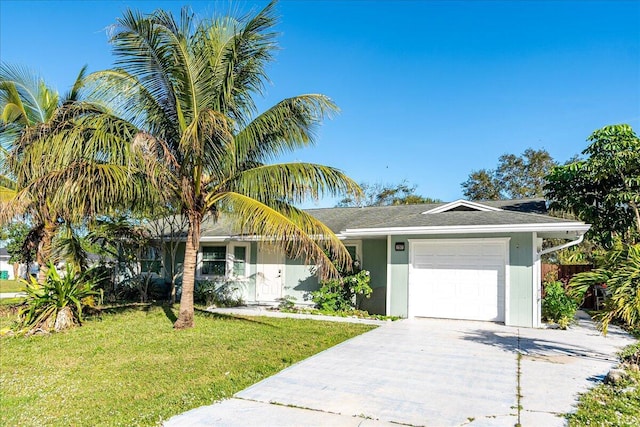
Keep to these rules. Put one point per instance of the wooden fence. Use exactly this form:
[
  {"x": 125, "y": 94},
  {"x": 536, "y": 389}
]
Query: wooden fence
[{"x": 562, "y": 272}]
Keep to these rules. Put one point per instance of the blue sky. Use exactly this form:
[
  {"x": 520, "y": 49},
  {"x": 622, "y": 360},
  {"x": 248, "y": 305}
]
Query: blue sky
[{"x": 428, "y": 91}]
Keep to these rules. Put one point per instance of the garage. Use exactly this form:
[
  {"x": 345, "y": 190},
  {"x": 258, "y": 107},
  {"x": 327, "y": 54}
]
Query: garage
[{"x": 458, "y": 278}]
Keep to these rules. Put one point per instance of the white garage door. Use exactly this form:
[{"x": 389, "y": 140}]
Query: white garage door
[{"x": 458, "y": 279}]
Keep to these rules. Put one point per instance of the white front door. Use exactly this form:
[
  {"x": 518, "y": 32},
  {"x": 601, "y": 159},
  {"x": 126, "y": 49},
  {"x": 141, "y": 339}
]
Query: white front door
[{"x": 270, "y": 277}]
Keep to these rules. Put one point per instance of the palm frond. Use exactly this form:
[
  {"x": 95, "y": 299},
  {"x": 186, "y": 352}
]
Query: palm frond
[
  {"x": 291, "y": 182},
  {"x": 288, "y": 125},
  {"x": 288, "y": 228}
]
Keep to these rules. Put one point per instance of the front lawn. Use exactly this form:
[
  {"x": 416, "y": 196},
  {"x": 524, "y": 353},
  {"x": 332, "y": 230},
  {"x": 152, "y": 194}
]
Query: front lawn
[
  {"x": 11, "y": 286},
  {"x": 129, "y": 367},
  {"x": 612, "y": 404}
]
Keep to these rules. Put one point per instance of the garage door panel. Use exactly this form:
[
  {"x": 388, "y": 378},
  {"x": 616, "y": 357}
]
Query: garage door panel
[{"x": 464, "y": 280}]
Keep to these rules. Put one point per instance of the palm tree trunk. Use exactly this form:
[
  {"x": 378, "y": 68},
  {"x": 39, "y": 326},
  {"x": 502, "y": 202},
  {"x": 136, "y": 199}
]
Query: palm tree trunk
[
  {"x": 185, "y": 317},
  {"x": 43, "y": 255}
]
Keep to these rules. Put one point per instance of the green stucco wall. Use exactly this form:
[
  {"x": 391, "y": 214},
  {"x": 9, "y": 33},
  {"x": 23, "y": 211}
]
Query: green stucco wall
[
  {"x": 374, "y": 260},
  {"x": 299, "y": 281}
]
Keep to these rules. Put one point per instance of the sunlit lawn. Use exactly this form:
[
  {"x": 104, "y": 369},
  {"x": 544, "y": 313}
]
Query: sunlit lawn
[
  {"x": 131, "y": 368},
  {"x": 11, "y": 286}
]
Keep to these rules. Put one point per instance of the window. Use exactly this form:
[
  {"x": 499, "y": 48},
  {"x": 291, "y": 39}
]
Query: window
[
  {"x": 355, "y": 250},
  {"x": 214, "y": 261},
  {"x": 239, "y": 261},
  {"x": 224, "y": 261}
]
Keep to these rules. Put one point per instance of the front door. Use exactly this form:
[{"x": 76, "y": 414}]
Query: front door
[{"x": 270, "y": 277}]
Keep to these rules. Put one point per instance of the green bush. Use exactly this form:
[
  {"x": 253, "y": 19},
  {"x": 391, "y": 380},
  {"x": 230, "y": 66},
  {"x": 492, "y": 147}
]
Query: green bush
[
  {"x": 58, "y": 303},
  {"x": 619, "y": 270},
  {"x": 220, "y": 294},
  {"x": 344, "y": 293},
  {"x": 557, "y": 306}
]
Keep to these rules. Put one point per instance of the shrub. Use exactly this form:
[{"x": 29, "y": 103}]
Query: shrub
[
  {"x": 286, "y": 303},
  {"x": 58, "y": 303},
  {"x": 344, "y": 293},
  {"x": 619, "y": 270},
  {"x": 220, "y": 294},
  {"x": 557, "y": 306}
]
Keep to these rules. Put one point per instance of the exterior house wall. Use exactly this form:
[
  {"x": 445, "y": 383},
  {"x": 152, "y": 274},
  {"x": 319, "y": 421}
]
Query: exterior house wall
[
  {"x": 299, "y": 281},
  {"x": 374, "y": 260},
  {"x": 6, "y": 267},
  {"x": 520, "y": 278}
]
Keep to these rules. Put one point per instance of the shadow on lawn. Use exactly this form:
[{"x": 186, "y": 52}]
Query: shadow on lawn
[
  {"x": 222, "y": 316},
  {"x": 535, "y": 346}
]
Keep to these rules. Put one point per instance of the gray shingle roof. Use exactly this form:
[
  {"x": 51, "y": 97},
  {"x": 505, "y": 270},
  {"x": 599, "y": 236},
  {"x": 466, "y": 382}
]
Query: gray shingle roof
[{"x": 514, "y": 212}]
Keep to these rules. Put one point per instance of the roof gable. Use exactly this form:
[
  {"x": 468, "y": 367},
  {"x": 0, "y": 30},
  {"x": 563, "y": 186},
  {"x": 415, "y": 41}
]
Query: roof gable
[{"x": 462, "y": 205}]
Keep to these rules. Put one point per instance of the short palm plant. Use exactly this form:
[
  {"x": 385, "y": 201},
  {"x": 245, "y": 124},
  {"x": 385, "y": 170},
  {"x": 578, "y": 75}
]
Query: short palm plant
[
  {"x": 620, "y": 273},
  {"x": 58, "y": 303}
]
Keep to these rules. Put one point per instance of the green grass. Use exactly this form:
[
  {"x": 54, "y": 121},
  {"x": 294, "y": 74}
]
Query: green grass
[
  {"x": 11, "y": 286},
  {"x": 129, "y": 367},
  {"x": 612, "y": 405}
]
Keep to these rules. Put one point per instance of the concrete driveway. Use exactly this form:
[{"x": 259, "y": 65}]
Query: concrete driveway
[{"x": 428, "y": 372}]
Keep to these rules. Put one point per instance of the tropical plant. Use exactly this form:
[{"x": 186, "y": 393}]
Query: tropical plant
[
  {"x": 58, "y": 303},
  {"x": 619, "y": 271},
  {"x": 189, "y": 86},
  {"x": 67, "y": 159}
]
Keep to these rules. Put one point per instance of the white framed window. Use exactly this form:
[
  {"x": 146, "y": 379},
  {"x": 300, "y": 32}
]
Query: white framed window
[
  {"x": 214, "y": 261},
  {"x": 230, "y": 260},
  {"x": 354, "y": 247},
  {"x": 238, "y": 259}
]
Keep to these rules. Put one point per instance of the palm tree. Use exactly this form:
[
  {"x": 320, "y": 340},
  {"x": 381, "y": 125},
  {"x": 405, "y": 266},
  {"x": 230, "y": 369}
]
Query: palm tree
[
  {"x": 189, "y": 85},
  {"x": 65, "y": 160}
]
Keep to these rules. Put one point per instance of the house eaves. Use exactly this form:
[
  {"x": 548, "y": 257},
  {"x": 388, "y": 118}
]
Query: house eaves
[{"x": 569, "y": 228}]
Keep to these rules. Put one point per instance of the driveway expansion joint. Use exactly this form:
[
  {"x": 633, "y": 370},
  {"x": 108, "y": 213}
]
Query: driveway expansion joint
[{"x": 288, "y": 405}]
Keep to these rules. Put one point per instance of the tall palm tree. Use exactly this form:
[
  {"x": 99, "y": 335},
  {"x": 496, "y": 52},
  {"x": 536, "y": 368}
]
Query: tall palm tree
[
  {"x": 189, "y": 85},
  {"x": 64, "y": 160}
]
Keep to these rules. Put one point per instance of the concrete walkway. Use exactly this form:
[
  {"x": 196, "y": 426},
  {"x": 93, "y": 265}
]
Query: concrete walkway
[
  {"x": 4, "y": 295},
  {"x": 428, "y": 372}
]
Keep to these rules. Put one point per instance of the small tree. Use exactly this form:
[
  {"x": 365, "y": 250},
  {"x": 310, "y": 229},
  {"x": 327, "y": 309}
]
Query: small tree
[{"x": 604, "y": 188}]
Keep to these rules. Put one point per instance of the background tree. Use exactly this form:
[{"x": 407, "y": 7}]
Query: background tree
[
  {"x": 604, "y": 188},
  {"x": 189, "y": 86},
  {"x": 516, "y": 177},
  {"x": 15, "y": 235},
  {"x": 379, "y": 194}
]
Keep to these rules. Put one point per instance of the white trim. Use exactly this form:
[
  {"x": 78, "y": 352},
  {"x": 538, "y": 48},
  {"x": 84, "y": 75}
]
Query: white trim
[
  {"x": 388, "y": 301},
  {"x": 570, "y": 228},
  {"x": 507, "y": 266},
  {"x": 461, "y": 202},
  {"x": 563, "y": 246},
  {"x": 358, "y": 245},
  {"x": 536, "y": 285},
  {"x": 230, "y": 258}
]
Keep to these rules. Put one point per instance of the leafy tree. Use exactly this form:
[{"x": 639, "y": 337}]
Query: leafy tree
[
  {"x": 482, "y": 185},
  {"x": 190, "y": 88},
  {"x": 516, "y": 177},
  {"x": 604, "y": 188},
  {"x": 16, "y": 238},
  {"x": 379, "y": 194}
]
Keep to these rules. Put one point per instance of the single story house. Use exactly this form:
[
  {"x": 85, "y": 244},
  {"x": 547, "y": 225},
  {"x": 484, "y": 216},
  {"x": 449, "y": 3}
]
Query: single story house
[
  {"x": 6, "y": 268},
  {"x": 458, "y": 260}
]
